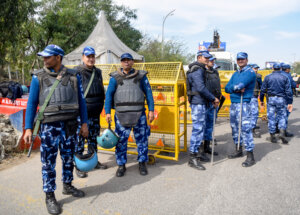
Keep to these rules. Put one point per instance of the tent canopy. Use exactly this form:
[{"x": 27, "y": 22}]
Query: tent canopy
[{"x": 107, "y": 45}]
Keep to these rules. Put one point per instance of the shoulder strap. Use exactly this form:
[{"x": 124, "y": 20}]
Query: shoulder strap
[
  {"x": 42, "y": 109},
  {"x": 90, "y": 83}
]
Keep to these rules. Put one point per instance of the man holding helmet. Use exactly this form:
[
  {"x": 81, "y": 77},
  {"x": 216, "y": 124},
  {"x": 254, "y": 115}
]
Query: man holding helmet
[
  {"x": 58, "y": 121},
  {"x": 94, "y": 95},
  {"x": 126, "y": 92}
]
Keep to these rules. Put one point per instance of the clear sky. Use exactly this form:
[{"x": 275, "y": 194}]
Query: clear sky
[{"x": 266, "y": 29}]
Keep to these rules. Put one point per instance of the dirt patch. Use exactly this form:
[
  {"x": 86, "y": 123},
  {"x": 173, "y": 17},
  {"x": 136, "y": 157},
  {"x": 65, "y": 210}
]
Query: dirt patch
[{"x": 14, "y": 159}]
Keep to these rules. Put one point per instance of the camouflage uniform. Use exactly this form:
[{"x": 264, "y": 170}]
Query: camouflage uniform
[
  {"x": 209, "y": 119},
  {"x": 246, "y": 131},
  {"x": 198, "y": 119},
  {"x": 276, "y": 108},
  {"x": 141, "y": 133},
  {"x": 94, "y": 130},
  {"x": 53, "y": 137},
  {"x": 254, "y": 111}
]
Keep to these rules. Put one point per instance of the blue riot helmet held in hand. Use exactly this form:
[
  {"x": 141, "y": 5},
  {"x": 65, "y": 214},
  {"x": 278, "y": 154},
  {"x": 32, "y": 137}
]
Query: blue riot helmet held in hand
[
  {"x": 86, "y": 162},
  {"x": 108, "y": 139}
]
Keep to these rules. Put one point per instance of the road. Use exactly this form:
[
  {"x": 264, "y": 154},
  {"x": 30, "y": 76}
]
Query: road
[{"x": 272, "y": 186}]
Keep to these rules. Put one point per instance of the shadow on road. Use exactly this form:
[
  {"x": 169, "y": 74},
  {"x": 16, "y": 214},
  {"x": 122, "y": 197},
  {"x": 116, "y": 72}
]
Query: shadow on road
[{"x": 133, "y": 178}]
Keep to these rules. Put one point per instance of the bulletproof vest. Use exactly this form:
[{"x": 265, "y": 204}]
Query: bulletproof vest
[
  {"x": 95, "y": 96},
  {"x": 129, "y": 99},
  {"x": 257, "y": 87},
  {"x": 191, "y": 93},
  {"x": 63, "y": 104},
  {"x": 213, "y": 83}
]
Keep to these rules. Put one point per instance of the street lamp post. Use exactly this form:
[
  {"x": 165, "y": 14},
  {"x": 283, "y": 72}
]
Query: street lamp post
[{"x": 163, "y": 26}]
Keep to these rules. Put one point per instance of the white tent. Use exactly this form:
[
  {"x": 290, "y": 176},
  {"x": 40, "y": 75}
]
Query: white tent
[{"x": 107, "y": 45}]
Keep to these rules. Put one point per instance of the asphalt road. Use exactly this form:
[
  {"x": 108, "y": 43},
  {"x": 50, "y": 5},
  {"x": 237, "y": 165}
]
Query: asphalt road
[{"x": 272, "y": 186}]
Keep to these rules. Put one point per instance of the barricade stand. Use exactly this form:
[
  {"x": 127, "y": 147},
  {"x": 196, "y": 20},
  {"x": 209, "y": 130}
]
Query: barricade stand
[{"x": 168, "y": 138}]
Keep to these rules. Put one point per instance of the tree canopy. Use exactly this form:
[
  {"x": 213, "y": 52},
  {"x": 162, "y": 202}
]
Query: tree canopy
[
  {"x": 172, "y": 50},
  {"x": 28, "y": 26}
]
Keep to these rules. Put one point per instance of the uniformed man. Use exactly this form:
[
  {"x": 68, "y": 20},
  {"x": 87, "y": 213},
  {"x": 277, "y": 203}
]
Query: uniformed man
[
  {"x": 213, "y": 84},
  {"x": 199, "y": 98},
  {"x": 286, "y": 69},
  {"x": 242, "y": 83},
  {"x": 278, "y": 89},
  {"x": 127, "y": 89},
  {"x": 58, "y": 125},
  {"x": 94, "y": 100},
  {"x": 254, "y": 101}
]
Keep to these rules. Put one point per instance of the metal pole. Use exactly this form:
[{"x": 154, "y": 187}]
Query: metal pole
[
  {"x": 213, "y": 137},
  {"x": 162, "y": 33},
  {"x": 240, "y": 123}
]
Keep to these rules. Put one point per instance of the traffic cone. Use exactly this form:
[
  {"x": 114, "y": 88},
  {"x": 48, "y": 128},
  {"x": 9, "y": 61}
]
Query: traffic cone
[
  {"x": 160, "y": 97},
  {"x": 130, "y": 139},
  {"x": 160, "y": 143}
]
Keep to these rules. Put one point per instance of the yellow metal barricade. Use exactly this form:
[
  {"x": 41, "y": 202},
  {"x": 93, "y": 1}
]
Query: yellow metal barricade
[{"x": 168, "y": 138}]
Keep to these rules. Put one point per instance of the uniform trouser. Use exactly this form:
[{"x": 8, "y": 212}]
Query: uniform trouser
[
  {"x": 254, "y": 111},
  {"x": 276, "y": 109},
  {"x": 246, "y": 131},
  {"x": 209, "y": 122},
  {"x": 94, "y": 130},
  {"x": 141, "y": 133},
  {"x": 53, "y": 137},
  {"x": 198, "y": 119}
]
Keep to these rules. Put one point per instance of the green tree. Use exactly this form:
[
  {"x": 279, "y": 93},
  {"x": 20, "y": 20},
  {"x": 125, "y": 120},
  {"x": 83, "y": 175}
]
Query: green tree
[
  {"x": 296, "y": 67},
  {"x": 68, "y": 23},
  {"x": 14, "y": 15},
  {"x": 172, "y": 51}
]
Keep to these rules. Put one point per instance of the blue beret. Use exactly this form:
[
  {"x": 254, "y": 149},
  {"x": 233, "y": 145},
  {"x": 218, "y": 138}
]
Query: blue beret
[
  {"x": 242, "y": 55},
  {"x": 126, "y": 56},
  {"x": 51, "y": 50},
  {"x": 88, "y": 50},
  {"x": 255, "y": 66},
  {"x": 212, "y": 58}
]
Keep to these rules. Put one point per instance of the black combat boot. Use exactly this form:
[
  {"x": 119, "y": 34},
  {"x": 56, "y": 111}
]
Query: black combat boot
[
  {"x": 277, "y": 129},
  {"x": 69, "y": 189},
  {"x": 201, "y": 154},
  {"x": 52, "y": 206},
  {"x": 143, "y": 168},
  {"x": 255, "y": 133},
  {"x": 250, "y": 160},
  {"x": 100, "y": 166},
  {"x": 237, "y": 153},
  {"x": 121, "y": 171},
  {"x": 273, "y": 138},
  {"x": 195, "y": 162},
  {"x": 282, "y": 136},
  {"x": 81, "y": 174},
  {"x": 288, "y": 134},
  {"x": 207, "y": 148}
]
